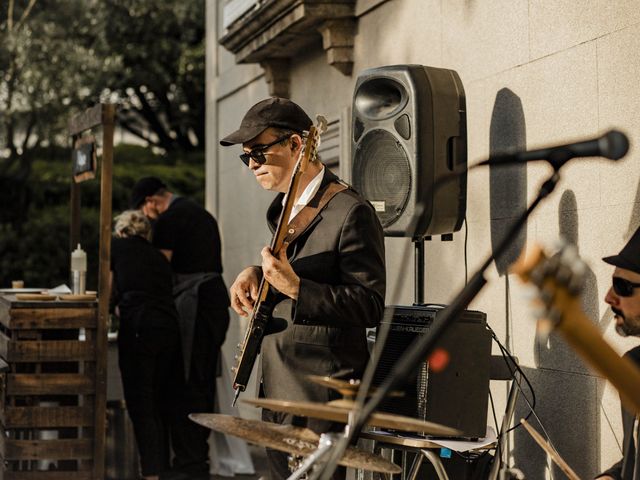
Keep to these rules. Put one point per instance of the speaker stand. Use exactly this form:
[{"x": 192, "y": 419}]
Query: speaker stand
[{"x": 418, "y": 293}]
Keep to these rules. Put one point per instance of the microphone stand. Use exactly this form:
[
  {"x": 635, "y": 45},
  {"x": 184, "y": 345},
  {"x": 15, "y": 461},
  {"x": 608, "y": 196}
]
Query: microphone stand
[{"x": 422, "y": 347}]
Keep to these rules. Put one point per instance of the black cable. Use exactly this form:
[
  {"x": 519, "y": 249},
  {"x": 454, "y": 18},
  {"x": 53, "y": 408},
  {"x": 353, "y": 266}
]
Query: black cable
[
  {"x": 498, "y": 454},
  {"x": 493, "y": 411},
  {"x": 507, "y": 355},
  {"x": 466, "y": 238}
]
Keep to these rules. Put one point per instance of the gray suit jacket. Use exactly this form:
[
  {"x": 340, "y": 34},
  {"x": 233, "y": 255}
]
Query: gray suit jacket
[{"x": 340, "y": 260}]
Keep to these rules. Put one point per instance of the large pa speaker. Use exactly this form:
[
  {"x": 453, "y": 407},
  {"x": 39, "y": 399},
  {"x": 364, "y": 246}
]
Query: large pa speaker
[
  {"x": 410, "y": 148},
  {"x": 456, "y": 396}
]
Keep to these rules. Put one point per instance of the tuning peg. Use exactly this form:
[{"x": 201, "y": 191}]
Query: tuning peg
[
  {"x": 239, "y": 345},
  {"x": 538, "y": 275},
  {"x": 546, "y": 297},
  {"x": 233, "y": 369},
  {"x": 529, "y": 293},
  {"x": 554, "y": 315},
  {"x": 543, "y": 330},
  {"x": 540, "y": 312}
]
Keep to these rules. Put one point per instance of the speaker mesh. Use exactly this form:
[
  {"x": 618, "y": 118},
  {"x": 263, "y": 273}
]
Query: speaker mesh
[{"x": 382, "y": 174}]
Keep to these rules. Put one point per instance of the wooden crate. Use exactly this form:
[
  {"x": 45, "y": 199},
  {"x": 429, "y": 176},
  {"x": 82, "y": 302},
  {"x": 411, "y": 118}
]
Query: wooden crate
[{"x": 53, "y": 394}]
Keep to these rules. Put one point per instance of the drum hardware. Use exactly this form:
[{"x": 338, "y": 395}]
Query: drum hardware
[
  {"x": 296, "y": 441},
  {"x": 338, "y": 413},
  {"x": 347, "y": 388}
]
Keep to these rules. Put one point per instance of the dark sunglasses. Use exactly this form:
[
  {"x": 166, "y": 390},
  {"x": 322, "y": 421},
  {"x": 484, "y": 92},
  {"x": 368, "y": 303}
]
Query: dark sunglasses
[
  {"x": 623, "y": 287},
  {"x": 258, "y": 153}
]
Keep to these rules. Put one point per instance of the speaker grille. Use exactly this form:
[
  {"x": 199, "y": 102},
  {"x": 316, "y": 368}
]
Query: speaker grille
[
  {"x": 382, "y": 174},
  {"x": 456, "y": 396}
]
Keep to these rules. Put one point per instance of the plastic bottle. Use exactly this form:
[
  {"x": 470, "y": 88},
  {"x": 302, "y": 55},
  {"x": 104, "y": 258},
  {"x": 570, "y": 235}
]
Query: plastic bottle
[{"x": 78, "y": 270}]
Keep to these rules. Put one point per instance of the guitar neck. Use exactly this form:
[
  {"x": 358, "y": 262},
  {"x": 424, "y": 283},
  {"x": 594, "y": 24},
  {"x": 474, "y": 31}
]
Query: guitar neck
[
  {"x": 281, "y": 229},
  {"x": 585, "y": 337},
  {"x": 262, "y": 310}
]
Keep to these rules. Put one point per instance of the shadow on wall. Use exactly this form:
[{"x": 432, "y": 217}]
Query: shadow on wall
[
  {"x": 555, "y": 354},
  {"x": 566, "y": 390},
  {"x": 635, "y": 217},
  {"x": 566, "y": 406},
  {"x": 565, "y": 395},
  {"x": 507, "y": 184}
]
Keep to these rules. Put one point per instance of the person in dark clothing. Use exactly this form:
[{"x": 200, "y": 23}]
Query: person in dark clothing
[
  {"x": 624, "y": 299},
  {"x": 148, "y": 337},
  {"x": 188, "y": 236},
  {"x": 330, "y": 279}
]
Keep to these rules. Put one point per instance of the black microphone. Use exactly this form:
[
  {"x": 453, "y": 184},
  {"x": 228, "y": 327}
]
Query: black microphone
[{"x": 613, "y": 145}]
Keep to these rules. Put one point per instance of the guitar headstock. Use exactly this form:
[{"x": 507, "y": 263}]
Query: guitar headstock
[
  {"x": 558, "y": 280},
  {"x": 312, "y": 142}
]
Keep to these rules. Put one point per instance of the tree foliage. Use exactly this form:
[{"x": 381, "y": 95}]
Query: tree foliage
[
  {"x": 58, "y": 57},
  {"x": 159, "y": 47},
  {"x": 50, "y": 63}
]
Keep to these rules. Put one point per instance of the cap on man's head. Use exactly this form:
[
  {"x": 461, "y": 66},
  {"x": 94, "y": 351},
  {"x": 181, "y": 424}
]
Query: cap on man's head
[
  {"x": 145, "y": 187},
  {"x": 273, "y": 112},
  {"x": 629, "y": 256}
]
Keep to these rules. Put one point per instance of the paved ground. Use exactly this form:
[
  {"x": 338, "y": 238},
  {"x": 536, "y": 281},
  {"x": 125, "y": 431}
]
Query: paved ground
[{"x": 259, "y": 462}]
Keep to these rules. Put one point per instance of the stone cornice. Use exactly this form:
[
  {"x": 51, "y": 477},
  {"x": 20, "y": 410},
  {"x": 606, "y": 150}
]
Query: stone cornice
[{"x": 274, "y": 32}]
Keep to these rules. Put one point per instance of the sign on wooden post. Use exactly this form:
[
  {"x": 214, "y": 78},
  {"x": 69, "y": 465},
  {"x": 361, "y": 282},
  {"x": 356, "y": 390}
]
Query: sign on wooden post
[{"x": 84, "y": 158}]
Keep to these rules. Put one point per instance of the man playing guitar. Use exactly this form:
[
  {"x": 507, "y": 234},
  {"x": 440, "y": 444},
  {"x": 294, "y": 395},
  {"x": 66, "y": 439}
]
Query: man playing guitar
[
  {"x": 624, "y": 298},
  {"x": 329, "y": 281}
]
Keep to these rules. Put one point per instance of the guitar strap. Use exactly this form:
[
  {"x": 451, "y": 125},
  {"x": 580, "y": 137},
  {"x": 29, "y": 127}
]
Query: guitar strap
[{"x": 303, "y": 219}]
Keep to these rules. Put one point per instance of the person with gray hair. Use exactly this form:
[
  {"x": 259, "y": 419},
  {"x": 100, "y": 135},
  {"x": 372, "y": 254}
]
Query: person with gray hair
[
  {"x": 131, "y": 223},
  {"x": 148, "y": 338}
]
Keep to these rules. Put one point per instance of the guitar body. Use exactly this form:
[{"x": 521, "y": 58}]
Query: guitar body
[{"x": 253, "y": 340}]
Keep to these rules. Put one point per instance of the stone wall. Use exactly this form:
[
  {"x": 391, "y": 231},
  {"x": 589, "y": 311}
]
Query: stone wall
[{"x": 535, "y": 73}]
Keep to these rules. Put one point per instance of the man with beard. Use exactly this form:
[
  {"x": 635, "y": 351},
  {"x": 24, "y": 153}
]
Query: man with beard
[{"x": 624, "y": 298}]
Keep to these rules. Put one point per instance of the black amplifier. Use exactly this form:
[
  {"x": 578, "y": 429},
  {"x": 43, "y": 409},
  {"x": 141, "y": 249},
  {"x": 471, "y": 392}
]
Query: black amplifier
[{"x": 457, "y": 396}]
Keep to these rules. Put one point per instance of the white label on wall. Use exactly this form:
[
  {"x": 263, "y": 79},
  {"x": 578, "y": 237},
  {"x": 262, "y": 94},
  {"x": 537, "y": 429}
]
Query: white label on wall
[{"x": 378, "y": 205}]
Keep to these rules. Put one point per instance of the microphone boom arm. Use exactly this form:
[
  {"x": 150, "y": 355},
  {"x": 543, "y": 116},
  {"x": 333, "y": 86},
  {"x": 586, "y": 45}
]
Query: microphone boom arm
[{"x": 422, "y": 347}]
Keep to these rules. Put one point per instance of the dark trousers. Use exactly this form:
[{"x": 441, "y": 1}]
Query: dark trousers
[
  {"x": 145, "y": 357},
  {"x": 190, "y": 440}
]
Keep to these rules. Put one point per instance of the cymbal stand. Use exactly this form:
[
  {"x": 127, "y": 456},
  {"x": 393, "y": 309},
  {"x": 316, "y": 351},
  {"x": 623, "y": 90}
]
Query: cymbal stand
[
  {"x": 422, "y": 347},
  {"x": 317, "y": 458}
]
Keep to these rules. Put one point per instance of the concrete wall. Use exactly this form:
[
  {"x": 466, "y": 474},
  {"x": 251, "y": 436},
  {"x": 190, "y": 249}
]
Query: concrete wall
[{"x": 536, "y": 72}]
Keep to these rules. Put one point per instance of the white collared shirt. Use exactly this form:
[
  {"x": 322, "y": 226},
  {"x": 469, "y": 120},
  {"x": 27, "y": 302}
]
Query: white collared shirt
[{"x": 307, "y": 194}]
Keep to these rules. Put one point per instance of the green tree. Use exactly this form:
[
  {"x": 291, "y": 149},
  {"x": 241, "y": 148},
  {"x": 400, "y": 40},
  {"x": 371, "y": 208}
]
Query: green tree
[
  {"x": 51, "y": 60},
  {"x": 159, "y": 47},
  {"x": 58, "y": 57}
]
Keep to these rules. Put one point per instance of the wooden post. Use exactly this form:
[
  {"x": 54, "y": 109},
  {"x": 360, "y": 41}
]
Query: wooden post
[
  {"x": 100, "y": 115},
  {"x": 108, "y": 122}
]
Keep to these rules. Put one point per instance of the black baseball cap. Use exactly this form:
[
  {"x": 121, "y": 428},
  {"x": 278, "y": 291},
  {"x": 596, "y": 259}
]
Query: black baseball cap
[
  {"x": 145, "y": 187},
  {"x": 272, "y": 112},
  {"x": 629, "y": 256}
]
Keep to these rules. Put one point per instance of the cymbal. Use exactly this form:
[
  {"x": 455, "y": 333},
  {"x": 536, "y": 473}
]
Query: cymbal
[
  {"x": 347, "y": 388},
  {"x": 337, "y": 413},
  {"x": 288, "y": 438}
]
